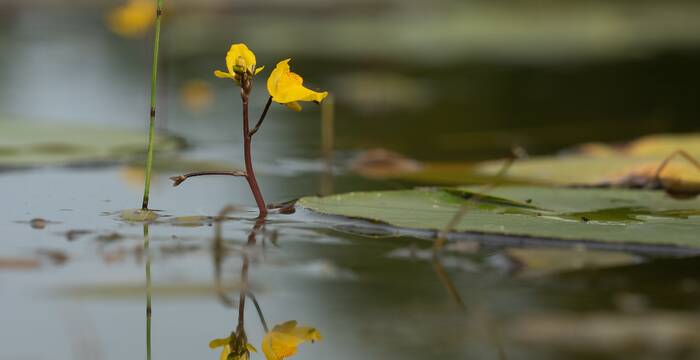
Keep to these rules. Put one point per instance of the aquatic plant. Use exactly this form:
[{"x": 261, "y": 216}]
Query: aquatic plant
[
  {"x": 277, "y": 344},
  {"x": 152, "y": 111},
  {"x": 284, "y": 86}
]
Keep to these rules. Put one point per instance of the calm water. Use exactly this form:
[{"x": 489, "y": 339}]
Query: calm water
[{"x": 371, "y": 296}]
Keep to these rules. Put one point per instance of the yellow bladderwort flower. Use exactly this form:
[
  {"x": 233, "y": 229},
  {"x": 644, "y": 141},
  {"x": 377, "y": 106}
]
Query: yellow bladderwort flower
[
  {"x": 239, "y": 60},
  {"x": 284, "y": 339},
  {"x": 286, "y": 87},
  {"x": 242, "y": 353},
  {"x": 132, "y": 19}
]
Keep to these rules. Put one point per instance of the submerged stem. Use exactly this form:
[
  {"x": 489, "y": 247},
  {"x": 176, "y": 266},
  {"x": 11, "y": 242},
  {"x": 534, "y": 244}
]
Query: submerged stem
[
  {"x": 148, "y": 290},
  {"x": 259, "y": 310},
  {"x": 241, "y": 299},
  {"x": 151, "y": 125}
]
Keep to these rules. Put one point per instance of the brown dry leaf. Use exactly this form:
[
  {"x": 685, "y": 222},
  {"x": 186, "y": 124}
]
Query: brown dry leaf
[
  {"x": 19, "y": 264},
  {"x": 658, "y": 333},
  {"x": 662, "y": 145},
  {"x": 634, "y": 164},
  {"x": 57, "y": 257},
  {"x": 381, "y": 163}
]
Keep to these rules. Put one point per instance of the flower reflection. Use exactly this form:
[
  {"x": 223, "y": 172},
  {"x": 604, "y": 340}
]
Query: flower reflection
[
  {"x": 279, "y": 343},
  {"x": 284, "y": 339},
  {"x": 234, "y": 347}
]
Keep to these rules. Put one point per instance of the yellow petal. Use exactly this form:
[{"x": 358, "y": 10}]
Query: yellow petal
[
  {"x": 284, "y": 339},
  {"x": 277, "y": 346},
  {"x": 224, "y": 352},
  {"x": 294, "y": 106},
  {"x": 306, "y": 333},
  {"x": 240, "y": 51},
  {"x": 286, "y": 87},
  {"x": 222, "y": 75},
  {"x": 282, "y": 69},
  {"x": 298, "y": 93},
  {"x": 218, "y": 342},
  {"x": 285, "y": 326},
  {"x": 258, "y": 70}
]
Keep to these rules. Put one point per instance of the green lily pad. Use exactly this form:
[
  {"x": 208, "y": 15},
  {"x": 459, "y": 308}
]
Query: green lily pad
[
  {"x": 138, "y": 215},
  {"x": 598, "y": 215},
  {"x": 31, "y": 144}
]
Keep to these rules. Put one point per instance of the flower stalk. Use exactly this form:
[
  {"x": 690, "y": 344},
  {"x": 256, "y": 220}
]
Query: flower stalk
[
  {"x": 152, "y": 114},
  {"x": 247, "y": 140}
]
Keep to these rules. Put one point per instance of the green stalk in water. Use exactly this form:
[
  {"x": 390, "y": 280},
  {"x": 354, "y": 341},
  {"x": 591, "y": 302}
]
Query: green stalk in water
[{"x": 151, "y": 126}]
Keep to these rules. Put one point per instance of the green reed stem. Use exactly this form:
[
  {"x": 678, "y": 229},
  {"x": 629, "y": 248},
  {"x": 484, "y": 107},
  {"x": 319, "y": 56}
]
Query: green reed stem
[
  {"x": 149, "y": 311},
  {"x": 151, "y": 126}
]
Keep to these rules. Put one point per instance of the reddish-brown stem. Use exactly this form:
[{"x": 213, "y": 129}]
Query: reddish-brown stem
[
  {"x": 247, "y": 137},
  {"x": 177, "y": 180}
]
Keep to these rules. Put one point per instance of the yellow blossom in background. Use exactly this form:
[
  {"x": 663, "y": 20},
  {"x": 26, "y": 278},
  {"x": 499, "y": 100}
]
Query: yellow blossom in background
[
  {"x": 286, "y": 87},
  {"x": 133, "y": 18},
  {"x": 239, "y": 59},
  {"x": 132, "y": 176},
  {"x": 239, "y": 354},
  {"x": 196, "y": 95},
  {"x": 284, "y": 339}
]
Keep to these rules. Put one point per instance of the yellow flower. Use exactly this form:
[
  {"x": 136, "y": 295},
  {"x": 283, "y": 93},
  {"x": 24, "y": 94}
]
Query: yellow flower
[
  {"x": 239, "y": 354},
  {"x": 284, "y": 339},
  {"x": 286, "y": 88},
  {"x": 239, "y": 59},
  {"x": 132, "y": 19},
  {"x": 196, "y": 95}
]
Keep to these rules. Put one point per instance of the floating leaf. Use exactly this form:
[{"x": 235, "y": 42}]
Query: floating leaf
[
  {"x": 612, "y": 215},
  {"x": 19, "y": 264},
  {"x": 31, "y": 144},
  {"x": 138, "y": 215},
  {"x": 595, "y": 164},
  {"x": 192, "y": 221}
]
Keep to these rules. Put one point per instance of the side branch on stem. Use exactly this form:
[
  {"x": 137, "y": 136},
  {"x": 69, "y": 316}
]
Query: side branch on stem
[
  {"x": 262, "y": 117},
  {"x": 177, "y": 180}
]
